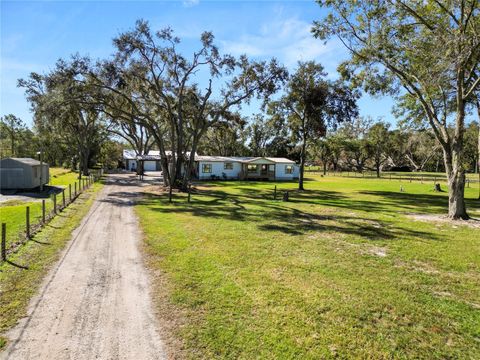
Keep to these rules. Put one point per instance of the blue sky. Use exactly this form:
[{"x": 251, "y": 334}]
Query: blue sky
[{"x": 34, "y": 34}]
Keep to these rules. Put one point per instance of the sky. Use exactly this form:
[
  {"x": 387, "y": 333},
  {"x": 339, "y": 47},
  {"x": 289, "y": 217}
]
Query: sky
[{"x": 34, "y": 34}]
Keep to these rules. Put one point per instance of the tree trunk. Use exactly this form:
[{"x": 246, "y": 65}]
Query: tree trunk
[
  {"x": 191, "y": 160},
  {"x": 85, "y": 168},
  {"x": 302, "y": 164},
  {"x": 456, "y": 196},
  {"x": 377, "y": 168},
  {"x": 478, "y": 153},
  {"x": 12, "y": 139},
  {"x": 456, "y": 186},
  {"x": 140, "y": 166},
  {"x": 325, "y": 168},
  {"x": 86, "y": 155}
]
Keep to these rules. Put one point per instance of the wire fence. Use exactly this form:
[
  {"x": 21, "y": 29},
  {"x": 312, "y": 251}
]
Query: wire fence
[
  {"x": 407, "y": 177},
  {"x": 38, "y": 216}
]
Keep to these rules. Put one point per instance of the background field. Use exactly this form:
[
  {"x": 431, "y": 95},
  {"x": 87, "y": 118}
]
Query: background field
[
  {"x": 342, "y": 270},
  {"x": 394, "y": 175}
]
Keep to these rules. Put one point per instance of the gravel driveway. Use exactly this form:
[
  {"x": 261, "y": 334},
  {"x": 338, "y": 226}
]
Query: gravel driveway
[{"x": 95, "y": 303}]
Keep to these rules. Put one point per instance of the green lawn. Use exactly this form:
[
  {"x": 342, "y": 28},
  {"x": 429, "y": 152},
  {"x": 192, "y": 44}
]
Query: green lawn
[
  {"x": 13, "y": 213},
  {"x": 339, "y": 271}
]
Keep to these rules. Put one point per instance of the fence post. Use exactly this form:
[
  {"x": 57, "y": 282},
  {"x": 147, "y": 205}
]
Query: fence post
[
  {"x": 275, "y": 193},
  {"x": 4, "y": 241},
  {"x": 69, "y": 193},
  {"x": 43, "y": 211},
  {"x": 54, "y": 203},
  {"x": 63, "y": 197},
  {"x": 27, "y": 220},
  {"x": 75, "y": 189}
]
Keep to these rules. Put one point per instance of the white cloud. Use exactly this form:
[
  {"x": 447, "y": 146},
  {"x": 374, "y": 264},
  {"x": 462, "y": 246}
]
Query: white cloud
[
  {"x": 190, "y": 3},
  {"x": 289, "y": 40}
]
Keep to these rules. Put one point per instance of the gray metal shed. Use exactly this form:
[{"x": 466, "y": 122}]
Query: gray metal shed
[{"x": 22, "y": 173}]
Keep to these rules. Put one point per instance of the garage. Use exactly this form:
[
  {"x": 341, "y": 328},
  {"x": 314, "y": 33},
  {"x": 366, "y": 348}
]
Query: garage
[{"x": 150, "y": 165}]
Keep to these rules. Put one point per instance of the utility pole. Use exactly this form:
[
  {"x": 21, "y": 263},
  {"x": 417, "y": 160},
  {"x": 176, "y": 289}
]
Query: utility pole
[{"x": 41, "y": 170}]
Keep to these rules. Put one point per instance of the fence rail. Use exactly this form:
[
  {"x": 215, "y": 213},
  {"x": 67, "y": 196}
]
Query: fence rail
[
  {"x": 31, "y": 228},
  {"x": 408, "y": 177}
]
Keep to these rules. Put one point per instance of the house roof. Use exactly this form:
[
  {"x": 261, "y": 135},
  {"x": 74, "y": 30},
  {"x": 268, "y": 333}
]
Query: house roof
[
  {"x": 155, "y": 155},
  {"x": 129, "y": 154},
  {"x": 152, "y": 155},
  {"x": 28, "y": 161},
  {"x": 243, "y": 159}
]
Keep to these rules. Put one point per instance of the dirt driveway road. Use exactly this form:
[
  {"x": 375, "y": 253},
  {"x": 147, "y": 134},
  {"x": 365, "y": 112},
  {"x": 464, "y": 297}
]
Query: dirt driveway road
[{"x": 95, "y": 303}]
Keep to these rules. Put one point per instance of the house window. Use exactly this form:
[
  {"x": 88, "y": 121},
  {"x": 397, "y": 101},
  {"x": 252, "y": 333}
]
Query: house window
[
  {"x": 207, "y": 168},
  {"x": 35, "y": 172},
  {"x": 228, "y": 166},
  {"x": 252, "y": 168},
  {"x": 288, "y": 169}
]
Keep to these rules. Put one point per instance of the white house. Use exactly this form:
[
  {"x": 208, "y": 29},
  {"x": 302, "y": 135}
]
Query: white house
[
  {"x": 244, "y": 168},
  {"x": 223, "y": 167}
]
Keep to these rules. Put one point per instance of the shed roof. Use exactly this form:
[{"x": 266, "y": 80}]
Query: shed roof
[{"x": 27, "y": 161}]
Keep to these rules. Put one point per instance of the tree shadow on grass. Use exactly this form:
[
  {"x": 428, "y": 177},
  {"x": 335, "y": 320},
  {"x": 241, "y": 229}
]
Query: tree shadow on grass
[
  {"x": 424, "y": 203},
  {"x": 276, "y": 216}
]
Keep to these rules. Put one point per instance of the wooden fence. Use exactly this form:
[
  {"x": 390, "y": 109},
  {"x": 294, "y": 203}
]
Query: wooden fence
[{"x": 60, "y": 201}]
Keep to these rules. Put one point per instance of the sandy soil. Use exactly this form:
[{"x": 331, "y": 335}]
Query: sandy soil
[
  {"x": 474, "y": 222},
  {"x": 95, "y": 303}
]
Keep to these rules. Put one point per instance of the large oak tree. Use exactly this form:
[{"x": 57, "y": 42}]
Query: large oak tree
[
  {"x": 428, "y": 50},
  {"x": 179, "y": 97}
]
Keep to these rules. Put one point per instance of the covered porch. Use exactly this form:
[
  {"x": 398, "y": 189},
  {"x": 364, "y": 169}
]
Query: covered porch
[{"x": 258, "y": 169}]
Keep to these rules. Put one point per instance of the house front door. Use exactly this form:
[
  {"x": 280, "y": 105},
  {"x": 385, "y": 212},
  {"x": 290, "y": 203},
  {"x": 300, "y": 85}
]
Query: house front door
[{"x": 264, "y": 169}]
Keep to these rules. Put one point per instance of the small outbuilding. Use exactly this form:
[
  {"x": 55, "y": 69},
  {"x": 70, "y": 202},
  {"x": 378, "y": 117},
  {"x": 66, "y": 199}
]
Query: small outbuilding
[{"x": 22, "y": 173}]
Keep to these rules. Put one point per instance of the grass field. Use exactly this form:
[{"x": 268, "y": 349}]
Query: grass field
[
  {"x": 21, "y": 276},
  {"x": 13, "y": 212},
  {"x": 340, "y": 271}
]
